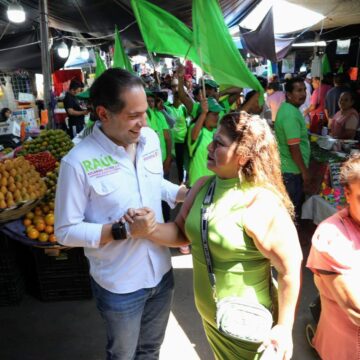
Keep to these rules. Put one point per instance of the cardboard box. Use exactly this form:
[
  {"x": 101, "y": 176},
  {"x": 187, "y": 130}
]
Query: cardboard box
[{"x": 11, "y": 128}]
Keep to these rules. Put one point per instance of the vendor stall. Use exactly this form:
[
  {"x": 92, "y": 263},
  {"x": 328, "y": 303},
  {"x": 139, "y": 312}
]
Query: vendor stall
[
  {"x": 30, "y": 257},
  {"x": 328, "y": 196}
]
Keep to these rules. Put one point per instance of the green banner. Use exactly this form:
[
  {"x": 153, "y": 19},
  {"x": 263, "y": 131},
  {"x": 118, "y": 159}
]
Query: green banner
[{"x": 100, "y": 66}]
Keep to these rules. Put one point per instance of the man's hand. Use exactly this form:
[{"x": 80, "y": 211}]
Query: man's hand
[
  {"x": 142, "y": 222},
  {"x": 181, "y": 194},
  {"x": 307, "y": 186}
]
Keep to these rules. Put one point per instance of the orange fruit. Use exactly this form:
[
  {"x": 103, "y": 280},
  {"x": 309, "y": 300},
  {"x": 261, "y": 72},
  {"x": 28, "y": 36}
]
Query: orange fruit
[
  {"x": 52, "y": 238},
  {"x": 37, "y": 218},
  {"x": 43, "y": 237},
  {"x": 28, "y": 228},
  {"x": 49, "y": 219},
  {"x": 33, "y": 234},
  {"x": 27, "y": 222},
  {"x": 49, "y": 229},
  {"x": 30, "y": 215},
  {"x": 40, "y": 226},
  {"x": 38, "y": 210},
  {"x": 45, "y": 209}
]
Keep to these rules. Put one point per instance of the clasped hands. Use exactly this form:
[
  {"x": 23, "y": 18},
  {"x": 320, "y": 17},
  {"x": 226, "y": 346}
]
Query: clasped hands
[{"x": 142, "y": 222}]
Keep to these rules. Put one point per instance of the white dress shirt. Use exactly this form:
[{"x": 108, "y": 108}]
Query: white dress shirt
[{"x": 98, "y": 183}]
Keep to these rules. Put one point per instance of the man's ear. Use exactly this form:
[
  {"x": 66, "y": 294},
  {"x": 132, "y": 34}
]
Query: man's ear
[{"x": 102, "y": 113}]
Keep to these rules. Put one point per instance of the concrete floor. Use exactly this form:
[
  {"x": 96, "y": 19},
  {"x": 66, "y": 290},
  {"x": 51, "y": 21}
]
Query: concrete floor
[{"x": 73, "y": 330}]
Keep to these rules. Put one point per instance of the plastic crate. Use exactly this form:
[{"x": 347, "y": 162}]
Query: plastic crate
[
  {"x": 55, "y": 278},
  {"x": 12, "y": 291}
]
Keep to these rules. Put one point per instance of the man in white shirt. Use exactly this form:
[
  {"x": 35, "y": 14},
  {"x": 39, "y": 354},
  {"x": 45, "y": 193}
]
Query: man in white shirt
[{"x": 117, "y": 167}]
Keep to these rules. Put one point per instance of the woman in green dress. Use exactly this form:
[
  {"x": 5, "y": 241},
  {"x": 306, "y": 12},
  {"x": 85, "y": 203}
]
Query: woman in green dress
[{"x": 250, "y": 228}]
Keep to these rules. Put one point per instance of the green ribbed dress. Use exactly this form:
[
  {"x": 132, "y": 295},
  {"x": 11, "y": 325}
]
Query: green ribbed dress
[{"x": 240, "y": 268}]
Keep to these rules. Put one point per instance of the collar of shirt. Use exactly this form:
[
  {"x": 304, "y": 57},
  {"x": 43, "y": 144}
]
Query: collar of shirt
[{"x": 107, "y": 144}]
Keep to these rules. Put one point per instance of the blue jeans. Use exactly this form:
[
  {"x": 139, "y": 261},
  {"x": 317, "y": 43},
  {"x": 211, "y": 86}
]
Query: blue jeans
[
  {"x": 294, "y": 187},
  {"x": 135, "y": 322}
]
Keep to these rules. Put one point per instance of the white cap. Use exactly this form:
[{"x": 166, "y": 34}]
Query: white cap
[
  {"x": 308, "y": 76},
  {"x": 288, "y": 76}
]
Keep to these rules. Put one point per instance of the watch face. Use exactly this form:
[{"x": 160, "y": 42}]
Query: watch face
[{"x": 118, "y": 231}]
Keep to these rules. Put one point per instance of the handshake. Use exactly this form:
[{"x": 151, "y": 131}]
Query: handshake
[{"x": 142, "y": 222}]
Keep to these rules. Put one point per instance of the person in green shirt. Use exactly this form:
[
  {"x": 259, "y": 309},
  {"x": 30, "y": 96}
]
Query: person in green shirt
[
  {"x": 200, "y": 135},
  {"x": 157, "y": 121},
  {"x": 229, "y": 98},
  {"x": 178, "y": 111},
  {"x": 293, "y": 142}
]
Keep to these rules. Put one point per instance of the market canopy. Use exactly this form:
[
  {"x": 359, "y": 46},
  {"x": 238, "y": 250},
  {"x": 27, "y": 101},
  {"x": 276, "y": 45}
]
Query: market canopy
[{"x": 93, "y": 22}]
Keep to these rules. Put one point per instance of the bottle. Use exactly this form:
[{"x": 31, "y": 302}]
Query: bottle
[
  {"x": 314, "y": 124},
  {"x": 22, "y": 130}
]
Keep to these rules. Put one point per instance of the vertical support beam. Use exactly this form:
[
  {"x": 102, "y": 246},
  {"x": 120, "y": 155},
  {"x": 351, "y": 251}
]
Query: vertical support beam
[{"x": 45, "y": 58}]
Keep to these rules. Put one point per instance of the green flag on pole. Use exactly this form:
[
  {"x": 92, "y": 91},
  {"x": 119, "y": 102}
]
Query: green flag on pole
[
  {"x": 217, "y": 51},
  {"x": 120, "y": 60},
  {"x": 100, "y": 66},
  {"x": 325, "y": 68},
  {"x": 162, "y": 32},
  {"x": 340, "y": 70}
]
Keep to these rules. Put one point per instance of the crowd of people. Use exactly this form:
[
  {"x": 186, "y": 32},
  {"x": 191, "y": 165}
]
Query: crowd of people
[{"x": 238, "y": 155}]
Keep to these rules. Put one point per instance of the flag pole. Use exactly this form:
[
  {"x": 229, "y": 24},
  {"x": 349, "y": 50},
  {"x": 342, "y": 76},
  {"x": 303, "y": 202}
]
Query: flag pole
[
  {"x": 187, "y": 53},
  {"x": 202, "y": 78}
]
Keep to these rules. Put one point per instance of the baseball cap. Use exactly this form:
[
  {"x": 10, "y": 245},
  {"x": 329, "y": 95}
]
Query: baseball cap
[
  {"x": 214, "y": 106},
  {"x": 211, "y": 83},
  {"x": 308, "y": 76}
]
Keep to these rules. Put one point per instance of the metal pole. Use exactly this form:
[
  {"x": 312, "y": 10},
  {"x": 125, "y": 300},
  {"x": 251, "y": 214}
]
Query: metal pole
[{"x": 45, "y": 57}]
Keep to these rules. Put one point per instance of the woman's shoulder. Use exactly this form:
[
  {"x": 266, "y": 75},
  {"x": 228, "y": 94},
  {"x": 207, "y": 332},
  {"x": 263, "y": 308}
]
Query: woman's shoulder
[{"x": 335, "y": 244}]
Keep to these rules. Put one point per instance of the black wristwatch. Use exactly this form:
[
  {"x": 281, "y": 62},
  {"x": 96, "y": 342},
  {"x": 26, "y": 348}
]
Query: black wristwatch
[{"x": 118, "y": 231}]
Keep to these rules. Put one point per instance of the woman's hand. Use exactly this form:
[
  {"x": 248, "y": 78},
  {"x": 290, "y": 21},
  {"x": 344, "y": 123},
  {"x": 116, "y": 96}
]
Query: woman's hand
[{"x": 279, "y": 345}]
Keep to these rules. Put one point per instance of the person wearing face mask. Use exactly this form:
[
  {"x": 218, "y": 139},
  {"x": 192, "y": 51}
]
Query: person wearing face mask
[
  {"x": 116, "y": 167},
  {"x": 345, "y": 122}
]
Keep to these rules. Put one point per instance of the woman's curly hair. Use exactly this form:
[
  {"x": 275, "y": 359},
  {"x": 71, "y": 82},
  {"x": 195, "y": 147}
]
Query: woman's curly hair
[{"x": 258, "y": 147}]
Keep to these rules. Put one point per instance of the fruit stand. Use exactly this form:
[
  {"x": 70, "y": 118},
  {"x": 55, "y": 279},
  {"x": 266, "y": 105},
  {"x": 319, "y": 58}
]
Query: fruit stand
[
  {"x": 30, "y": 257},
  {"x": 328, "y": 195}
]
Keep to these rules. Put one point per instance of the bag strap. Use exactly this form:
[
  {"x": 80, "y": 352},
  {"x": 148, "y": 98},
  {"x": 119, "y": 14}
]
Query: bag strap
[{"x": 204, "y": 226}]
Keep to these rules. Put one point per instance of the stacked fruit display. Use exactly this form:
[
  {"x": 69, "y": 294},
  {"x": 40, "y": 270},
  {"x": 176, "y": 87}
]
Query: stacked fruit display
[
  {"x": 39, "y": 223},
  {"x": 57, "y": 142},
  {"x": 43, "y": 162},
  {"x": 51, "y": 181},
  {"x": 19, "y": 182}
]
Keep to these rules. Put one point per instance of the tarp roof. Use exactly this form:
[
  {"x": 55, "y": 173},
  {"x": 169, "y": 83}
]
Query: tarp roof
[{"x": 94, "y": 19}]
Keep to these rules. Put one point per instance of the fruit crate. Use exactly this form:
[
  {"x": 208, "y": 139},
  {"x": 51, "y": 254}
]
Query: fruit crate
[
  {"x": 11, "y": 280},
  {"x": 12, "y": 291},
  {"x": 62, "y": 277}
]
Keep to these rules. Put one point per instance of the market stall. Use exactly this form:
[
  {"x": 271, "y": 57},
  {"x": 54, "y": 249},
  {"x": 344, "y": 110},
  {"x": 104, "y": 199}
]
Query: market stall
[
  {"x": 328, "y": 196},
  {"x": 30, "y": 257}
]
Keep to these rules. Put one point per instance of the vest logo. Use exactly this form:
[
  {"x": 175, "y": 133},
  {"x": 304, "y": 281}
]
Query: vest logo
[{"x": 100, "y": 166}]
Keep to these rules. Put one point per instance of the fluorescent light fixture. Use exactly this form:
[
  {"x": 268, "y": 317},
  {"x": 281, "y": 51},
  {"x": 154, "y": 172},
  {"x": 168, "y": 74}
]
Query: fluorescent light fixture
[
  {"x": 310, "y": 44},
  {"x": 75, "y": 50},
  {"x": 288, "y": 17},
  {"x": 63, "y": 50},
  {"x": 84, "y": 54},
  {"x": 16, "y": 13}
]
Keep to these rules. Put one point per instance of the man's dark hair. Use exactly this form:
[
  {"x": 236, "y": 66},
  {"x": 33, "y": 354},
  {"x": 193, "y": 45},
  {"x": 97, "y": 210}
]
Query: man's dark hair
[
  {"x": 75, "y": 84},
  {"x": 262, "y": 81},
  {"x": 289, "y": 84},
  {"x": 273, "y": 86},
  {"x": 340, "y": 79},
  {"x": 110, "y": 85}
]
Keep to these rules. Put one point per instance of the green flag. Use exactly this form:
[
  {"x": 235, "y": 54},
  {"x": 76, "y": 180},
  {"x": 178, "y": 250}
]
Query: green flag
[
  {"x": 340, "y": 70},
  {"x": 100, "y": 66},
  {"x": 120, "y": 60},
  {"x": 217, "y": 51},
  {"x": 162, "y": 32},
  {"x": 325, "y": 68}
]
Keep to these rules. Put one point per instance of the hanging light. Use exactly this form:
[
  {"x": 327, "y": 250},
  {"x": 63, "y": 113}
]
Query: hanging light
[
  {"x": 16, "y": 13},
  {"x": 63, "y": 50},
  {"x": 75, "y": 50},
  {"x": 84, "y": 53}
]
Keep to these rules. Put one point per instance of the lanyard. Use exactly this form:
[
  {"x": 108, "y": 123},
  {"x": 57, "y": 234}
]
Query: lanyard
[{"x": 205, "y": 232}]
